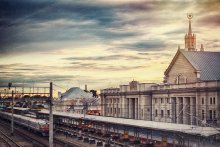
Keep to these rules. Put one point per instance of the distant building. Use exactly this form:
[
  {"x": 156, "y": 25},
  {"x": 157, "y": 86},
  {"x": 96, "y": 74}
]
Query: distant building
[
  {"x": 190, "y": 93},
  {"x": 77, "y": 100}
]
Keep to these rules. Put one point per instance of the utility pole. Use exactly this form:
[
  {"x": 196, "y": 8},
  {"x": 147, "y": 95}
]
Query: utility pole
[
  {"x": 12, "y": 114},
  {"x": 51, "y": 116}
]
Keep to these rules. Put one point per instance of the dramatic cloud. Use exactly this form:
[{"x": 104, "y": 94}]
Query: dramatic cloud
[
  {"x": 211, "y": 20},
  {"x": 98, "y": 41},
  {"x": 103, "y": 58}
]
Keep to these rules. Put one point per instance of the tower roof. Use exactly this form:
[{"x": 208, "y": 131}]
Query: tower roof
[
  {"x": 190, "y": 16},
  {"x": 190, "y": 38},
  {"x": 190, "y": 28}
]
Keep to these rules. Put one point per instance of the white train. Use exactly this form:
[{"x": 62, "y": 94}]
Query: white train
[{"x": 36, "y": 125}]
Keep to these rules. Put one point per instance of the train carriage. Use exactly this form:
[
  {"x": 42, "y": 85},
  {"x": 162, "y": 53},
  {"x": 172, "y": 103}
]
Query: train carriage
[{"x": 36, "y": 125}]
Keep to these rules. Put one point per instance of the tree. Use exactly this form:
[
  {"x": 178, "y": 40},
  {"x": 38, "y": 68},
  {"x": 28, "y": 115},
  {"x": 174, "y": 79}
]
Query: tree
[{"x": 94, "y": 93}]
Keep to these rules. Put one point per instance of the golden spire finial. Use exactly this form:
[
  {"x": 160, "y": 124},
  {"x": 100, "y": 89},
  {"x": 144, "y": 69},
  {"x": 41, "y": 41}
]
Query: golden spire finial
[{"x": 189, "y": 16}]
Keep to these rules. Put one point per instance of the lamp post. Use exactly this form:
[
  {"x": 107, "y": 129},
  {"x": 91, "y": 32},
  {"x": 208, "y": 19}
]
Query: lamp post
[
  {"x": 51, "y": 116},
  {"x": 12, "y": 109}
]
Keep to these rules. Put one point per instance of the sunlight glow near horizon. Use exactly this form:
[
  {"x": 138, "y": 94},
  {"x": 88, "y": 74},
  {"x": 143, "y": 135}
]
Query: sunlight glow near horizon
[{"x": 100, "y": 43}]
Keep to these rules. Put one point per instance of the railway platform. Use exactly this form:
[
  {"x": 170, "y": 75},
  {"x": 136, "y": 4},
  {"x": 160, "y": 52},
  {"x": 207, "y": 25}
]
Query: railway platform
[{"x": 137, "y": 132}]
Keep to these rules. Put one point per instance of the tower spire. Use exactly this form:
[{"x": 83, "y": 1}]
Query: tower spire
[
  {"x": 190, "y": 38},
  {"x": 190, "y": 28}
]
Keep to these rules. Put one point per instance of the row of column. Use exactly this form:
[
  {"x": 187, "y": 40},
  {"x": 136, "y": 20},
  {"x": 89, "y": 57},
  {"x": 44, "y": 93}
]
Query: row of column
[{"x": 184, "y": 110}]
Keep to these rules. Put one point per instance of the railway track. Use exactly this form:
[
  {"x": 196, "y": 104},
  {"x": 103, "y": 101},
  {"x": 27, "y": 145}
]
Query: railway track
[
  {"x": 34, "y": 139},
  {"x": 98, "y": 138},
  {"x": 7, "y": 140},
  {"x": 69, "y": 143},
  {"x": 26, "y": 136}
]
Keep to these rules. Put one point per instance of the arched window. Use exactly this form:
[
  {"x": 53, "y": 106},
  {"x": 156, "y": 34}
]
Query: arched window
[{"x": 180, "y": 79}]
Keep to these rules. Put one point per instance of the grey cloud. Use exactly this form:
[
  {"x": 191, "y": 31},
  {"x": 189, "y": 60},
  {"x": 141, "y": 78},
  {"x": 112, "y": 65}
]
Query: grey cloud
[
  {"x": 103, "y": 58},
  {"x": 24, "y": 69},
  {"x": 101, "y": 67},
  {"x": 207, "y": 6},
  {"x": 211, "y": 20},
  {"x": 143, "y": 46},
  {"x": 23, "y": 27},
  {"x": 35, "y": 78},
  {"x": 18, "y": 18},
  {"x": 176, "y": 32},
  {"x": 137, "y": 6},
  {"x": 154, "y": 54}
]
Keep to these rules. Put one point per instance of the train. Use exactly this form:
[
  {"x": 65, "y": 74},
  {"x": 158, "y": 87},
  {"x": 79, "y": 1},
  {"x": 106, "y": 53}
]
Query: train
[
  {"x": 38, "y": 126},
  {"x": 93, "y": 112}
]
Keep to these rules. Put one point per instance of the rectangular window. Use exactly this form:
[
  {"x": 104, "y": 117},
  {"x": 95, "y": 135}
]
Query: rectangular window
[
  {"x": 202, "y": 100},
  {"x": 168, "y": 113},
  {"x": 168, "y": 100},
  {"x": 203, "y": 114},
  {"x": 156, "y": 112},
  {"x": 210, "y": 100},
  {"x": 118, "y": 110},
  {"x": 214, "y": 114},
  {"x": 213, "y": 100},
  {"x": 161, "y": 113},
  {"x": 155, "y": 101},
  {"x": 210, "y": 114},
  {"x": 161, "y": 100},
  {"x": 115, "y": 110}
]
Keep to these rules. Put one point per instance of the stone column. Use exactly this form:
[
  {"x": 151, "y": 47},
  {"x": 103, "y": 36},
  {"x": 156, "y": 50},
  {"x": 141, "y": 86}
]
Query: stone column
[
  {"x": 193, "y": 110},
  {"x": 124, "y": 107},
  {"x": 180, "y": 110},
  {"x": 186, "y": 110},
  {"x": 136, "y": 108},
  {"x": 103, "y": 106},
  {"x": 113, "y": 107},
  {"x": 130, "y": 108},
  {"x": 173, "y": 109}
]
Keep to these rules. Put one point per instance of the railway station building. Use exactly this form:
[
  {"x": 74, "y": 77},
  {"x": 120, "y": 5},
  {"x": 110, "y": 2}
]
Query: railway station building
[
  {"x": 189, "y": 94},
  {"x": 74, "y": 100}
]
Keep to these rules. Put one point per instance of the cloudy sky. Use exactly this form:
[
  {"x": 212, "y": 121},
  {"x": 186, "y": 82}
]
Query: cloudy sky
[{"x": 101, "y": 43}]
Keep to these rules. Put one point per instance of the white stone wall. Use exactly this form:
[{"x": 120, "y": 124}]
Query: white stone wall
[
  {"x": 181, "y": 67},
  {"x": 185, "y": 107}
]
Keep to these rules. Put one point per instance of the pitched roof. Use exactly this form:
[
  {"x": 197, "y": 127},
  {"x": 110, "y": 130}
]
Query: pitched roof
[
  {"x": 208, "y": 63},
  {"x": 75, "y": 92}
]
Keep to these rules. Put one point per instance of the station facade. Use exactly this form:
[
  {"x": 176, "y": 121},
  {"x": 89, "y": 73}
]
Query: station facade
[{"x": 190, "y": 93}]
